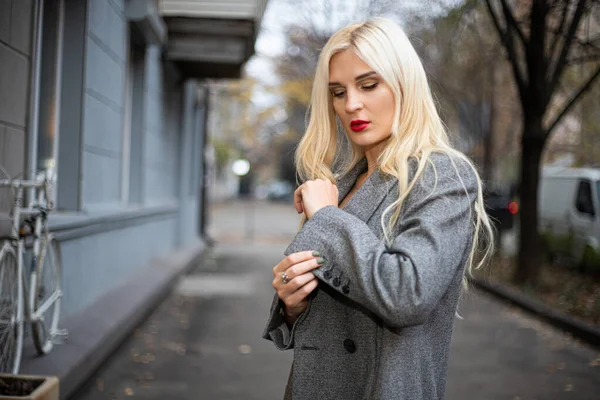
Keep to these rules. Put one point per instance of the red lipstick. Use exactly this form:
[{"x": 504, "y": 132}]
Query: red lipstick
[{"x": 358, "y": 125}]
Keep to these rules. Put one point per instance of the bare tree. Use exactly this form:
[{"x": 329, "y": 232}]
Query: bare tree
[
  {"x": 461, "y": 56},
  {"x": 543, "y": 39}
]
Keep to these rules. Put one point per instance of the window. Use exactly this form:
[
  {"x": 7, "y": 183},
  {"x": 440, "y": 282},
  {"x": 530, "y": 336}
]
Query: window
[
  {"x": 584, "y": 202},
  {"x": 50, "y": 84},
  {"x": 57, "y": 105}
]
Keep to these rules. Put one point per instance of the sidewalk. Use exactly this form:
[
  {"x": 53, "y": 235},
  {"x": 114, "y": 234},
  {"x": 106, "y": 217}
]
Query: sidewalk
[{"x": 204, "y": 341}]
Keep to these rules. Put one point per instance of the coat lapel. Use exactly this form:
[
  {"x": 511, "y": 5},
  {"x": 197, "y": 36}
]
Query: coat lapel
[
  {"x": 346, "y": 182},
  {"x": 370, "y": 195}
]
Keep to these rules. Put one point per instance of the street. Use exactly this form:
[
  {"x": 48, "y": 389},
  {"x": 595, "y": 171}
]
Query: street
[{"x": 204, "y": 341}]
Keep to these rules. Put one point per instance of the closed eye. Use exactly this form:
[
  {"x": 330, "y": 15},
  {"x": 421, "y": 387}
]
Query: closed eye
[{"x": 341, "y": 93}]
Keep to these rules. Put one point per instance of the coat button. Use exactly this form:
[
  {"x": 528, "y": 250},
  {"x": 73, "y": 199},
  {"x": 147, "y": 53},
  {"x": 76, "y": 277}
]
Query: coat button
[
  {"x": 327, "y": 274},
  {"x": 336, "y": 281},
  {"x": 349, "y": 346},
  {"x": 346, "y": 289}
]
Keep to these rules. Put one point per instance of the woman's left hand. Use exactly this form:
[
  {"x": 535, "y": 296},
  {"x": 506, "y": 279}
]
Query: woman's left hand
[{"x": 311, "y": 196}]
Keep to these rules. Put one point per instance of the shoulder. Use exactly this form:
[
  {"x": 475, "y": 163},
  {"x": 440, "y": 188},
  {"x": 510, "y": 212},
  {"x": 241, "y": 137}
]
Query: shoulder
[{"x": 445, "y": 169}]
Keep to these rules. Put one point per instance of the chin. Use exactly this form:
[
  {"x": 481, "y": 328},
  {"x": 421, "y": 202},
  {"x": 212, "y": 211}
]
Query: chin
[{"x": 366, "y": 140}]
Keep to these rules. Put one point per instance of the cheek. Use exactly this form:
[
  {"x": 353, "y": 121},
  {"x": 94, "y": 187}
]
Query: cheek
[
  {"x": 339, "y": 111},
  {"x": 388, "y": 108},
  {"x": 385, "y": 111}
]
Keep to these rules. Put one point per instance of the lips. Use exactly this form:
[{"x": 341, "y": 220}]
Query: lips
[{"x": 358, "y": 125}]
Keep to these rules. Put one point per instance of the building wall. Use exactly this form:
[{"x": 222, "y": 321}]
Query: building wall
[
  {"x": 95, "y": 263},
  {"x": 162, "y": 144},
  {"x": 105, "y": 67},
  {"x": 15, "y": 62},
  {"x": 106, "y": 238},
  {"x": 106, "y": 59}
]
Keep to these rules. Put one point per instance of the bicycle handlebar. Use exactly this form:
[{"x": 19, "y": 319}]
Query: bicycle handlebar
[
  {"x": 41, "y": 182},
  {"x": 17, "y": 183}
]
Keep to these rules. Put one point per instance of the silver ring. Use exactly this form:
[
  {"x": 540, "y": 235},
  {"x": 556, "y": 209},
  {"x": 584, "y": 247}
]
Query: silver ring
[{"x": 284, "y": 277}]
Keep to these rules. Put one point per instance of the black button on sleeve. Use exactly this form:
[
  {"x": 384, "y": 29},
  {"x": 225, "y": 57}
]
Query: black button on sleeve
[
  {"x": 336, "y": 281},
  {"x": 350, "y": 346},
  {"x": 346, "y": 289}
]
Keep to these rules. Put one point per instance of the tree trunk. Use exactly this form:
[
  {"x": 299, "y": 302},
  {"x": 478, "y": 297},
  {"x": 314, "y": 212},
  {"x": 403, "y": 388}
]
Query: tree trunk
[
  {"x": 488, "y": 143},
  {"x": 530, "y": 255}
]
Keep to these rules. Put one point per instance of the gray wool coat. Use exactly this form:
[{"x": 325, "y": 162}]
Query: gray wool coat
[{"x": 379, "y": 324}]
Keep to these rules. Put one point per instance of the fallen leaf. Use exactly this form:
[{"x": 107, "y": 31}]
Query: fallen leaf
[
  {"x": 568, "y": 388},
  {"x": 244, "y": 349}
]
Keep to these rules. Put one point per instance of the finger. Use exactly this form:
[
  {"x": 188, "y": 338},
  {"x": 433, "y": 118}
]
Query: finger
[
  {"x": 298, "y": 199},
  {"x": 285, "y": 290},
  {"x": 304, "y": 267},
  {"x": 294, "y": 258},
  {"x": 301, "y": 293}
]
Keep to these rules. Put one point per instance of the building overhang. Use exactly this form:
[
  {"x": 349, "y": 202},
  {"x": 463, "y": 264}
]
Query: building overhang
[
  {"x": 209, "y": 39},
  {"x": 145, "y": 16}
]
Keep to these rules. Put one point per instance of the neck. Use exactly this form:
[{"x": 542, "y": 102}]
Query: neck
[{"x": 372, "y": 154}]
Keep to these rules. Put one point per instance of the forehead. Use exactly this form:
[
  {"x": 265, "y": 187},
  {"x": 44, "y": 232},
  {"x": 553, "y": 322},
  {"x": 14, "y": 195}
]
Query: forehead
[{"x": 346, "y": 65}]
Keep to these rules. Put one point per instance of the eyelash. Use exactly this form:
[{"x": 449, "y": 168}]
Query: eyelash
[{"x": 367, "y": 87}]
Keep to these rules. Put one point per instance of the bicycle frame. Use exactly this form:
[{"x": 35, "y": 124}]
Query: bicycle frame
[{"x": 37, "y": 209}]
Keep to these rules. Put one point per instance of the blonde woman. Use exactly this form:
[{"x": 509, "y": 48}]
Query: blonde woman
[{"x": 368, "y": 290}]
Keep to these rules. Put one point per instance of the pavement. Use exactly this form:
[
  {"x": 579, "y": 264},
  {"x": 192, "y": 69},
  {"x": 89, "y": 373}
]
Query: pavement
[{"x": 204, "y": 340}]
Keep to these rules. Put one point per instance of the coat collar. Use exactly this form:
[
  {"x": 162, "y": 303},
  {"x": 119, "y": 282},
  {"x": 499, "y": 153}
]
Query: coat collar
[{"x": 370, "y": 195}]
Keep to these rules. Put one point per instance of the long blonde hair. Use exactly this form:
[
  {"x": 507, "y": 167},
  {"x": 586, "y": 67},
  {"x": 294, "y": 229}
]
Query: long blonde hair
[{"x": 417, "y": 129}]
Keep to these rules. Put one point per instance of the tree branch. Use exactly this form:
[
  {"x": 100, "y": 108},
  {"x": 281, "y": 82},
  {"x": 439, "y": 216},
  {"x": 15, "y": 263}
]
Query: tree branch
[
  {"x": 559, "y": 34},
  {"x": 584, "y": 59},
  {"x": 574, "y": 100},
  {"x": 506, "y": 39},
  {"x": 562, "y": 58},
  {"x": 512, "y": 22},
  {"x": 590, "y": 43}
]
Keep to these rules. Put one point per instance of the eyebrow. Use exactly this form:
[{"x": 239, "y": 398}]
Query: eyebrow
[{"x": 358, "y": 78}]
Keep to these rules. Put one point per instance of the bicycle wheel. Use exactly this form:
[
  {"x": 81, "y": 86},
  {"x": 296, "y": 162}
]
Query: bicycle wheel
[
  {"x": 11, "y": 312},
  {"x": 47, "y": 294}
]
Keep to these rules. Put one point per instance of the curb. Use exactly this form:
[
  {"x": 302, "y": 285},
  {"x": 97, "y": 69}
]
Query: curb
[
  {"x": 96, "y": 332},
  {"x": 576, "y": 327}
]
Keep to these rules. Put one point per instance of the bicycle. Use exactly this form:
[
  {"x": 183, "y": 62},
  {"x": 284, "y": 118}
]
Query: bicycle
[{"x": 35, "y": 301}]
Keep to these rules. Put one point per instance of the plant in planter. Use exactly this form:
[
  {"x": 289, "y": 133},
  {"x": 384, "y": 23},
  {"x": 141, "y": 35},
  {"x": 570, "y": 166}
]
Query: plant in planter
[{"x": 28, "y": 387}]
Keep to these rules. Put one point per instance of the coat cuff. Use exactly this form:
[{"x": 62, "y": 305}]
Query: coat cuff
[
  {"x": 277, "y": 330},
  {"x": 316, "y": 235}
]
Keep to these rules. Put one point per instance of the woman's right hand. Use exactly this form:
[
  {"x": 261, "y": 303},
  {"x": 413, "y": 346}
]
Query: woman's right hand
[{"x": 299, "y": 284}]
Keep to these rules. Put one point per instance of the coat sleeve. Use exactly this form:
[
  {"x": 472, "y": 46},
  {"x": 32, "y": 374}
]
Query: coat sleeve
[
  {"x": 277, "y": 330},
  {"x": 401, "y": 283}
]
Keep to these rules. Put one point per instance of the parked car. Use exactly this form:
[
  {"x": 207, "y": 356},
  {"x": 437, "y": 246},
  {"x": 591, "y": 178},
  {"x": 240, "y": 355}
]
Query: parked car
[
  {"x": 569, "y": 208},
  {"x": 280, "y": 190},
  {"x": 501, "y": 207}
]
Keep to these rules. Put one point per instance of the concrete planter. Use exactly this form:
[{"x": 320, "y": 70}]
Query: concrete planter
[{"x": 30, "y": 387}]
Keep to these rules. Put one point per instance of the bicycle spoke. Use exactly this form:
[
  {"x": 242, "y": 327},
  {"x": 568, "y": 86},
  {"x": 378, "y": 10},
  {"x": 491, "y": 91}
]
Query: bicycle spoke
[
  {"x": 10, "y": 330},
  {"x": 47, "y": 296},
  {"x": 7, "y": 340}
]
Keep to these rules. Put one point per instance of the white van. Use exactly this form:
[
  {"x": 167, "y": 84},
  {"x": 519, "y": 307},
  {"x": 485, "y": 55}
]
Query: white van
[{"x": 569, "y": 213}]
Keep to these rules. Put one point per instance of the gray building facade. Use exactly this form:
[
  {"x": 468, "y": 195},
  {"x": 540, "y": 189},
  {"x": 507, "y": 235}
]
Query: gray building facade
[{"x": 109, "y": 94}]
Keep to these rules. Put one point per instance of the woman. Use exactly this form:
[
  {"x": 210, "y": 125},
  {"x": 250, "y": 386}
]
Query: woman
[{"x": 368, "y": 291}]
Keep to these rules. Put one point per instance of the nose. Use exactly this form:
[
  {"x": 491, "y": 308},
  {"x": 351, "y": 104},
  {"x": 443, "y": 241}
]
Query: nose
[{"x": 353, "y": 101}]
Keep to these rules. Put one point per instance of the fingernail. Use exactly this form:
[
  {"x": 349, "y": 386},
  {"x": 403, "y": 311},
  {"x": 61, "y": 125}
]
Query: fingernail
[
  {"x": 321, "y": 261},
  {"x": 316, "y": 254}
]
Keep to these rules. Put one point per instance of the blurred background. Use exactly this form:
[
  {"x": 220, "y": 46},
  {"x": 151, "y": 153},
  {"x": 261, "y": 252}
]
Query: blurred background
[{"x": 172, "y": 125}]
